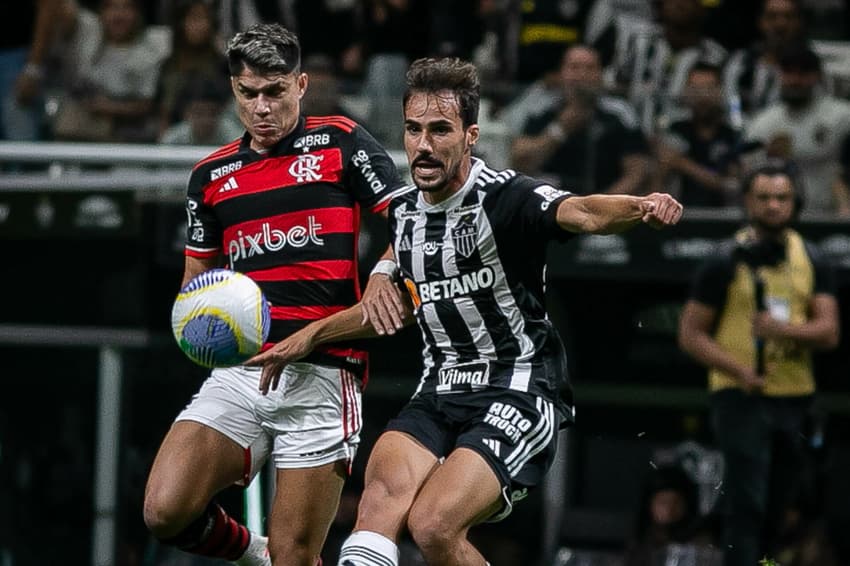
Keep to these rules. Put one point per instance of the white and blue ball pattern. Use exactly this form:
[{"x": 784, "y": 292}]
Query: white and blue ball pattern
[{"x": 220, "y": 318}]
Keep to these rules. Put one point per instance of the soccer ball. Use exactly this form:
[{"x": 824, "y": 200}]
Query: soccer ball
[{"x": 220, "y": 318}]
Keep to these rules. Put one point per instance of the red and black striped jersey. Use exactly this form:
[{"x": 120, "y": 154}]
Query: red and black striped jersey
[{"x": 289, "y": 219}]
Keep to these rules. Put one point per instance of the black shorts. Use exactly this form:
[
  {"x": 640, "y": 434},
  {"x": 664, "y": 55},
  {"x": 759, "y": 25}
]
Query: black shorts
[{"x": 515, "y": 432}]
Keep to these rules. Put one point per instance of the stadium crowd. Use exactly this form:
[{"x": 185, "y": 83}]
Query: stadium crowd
[
  {"x": 679, "y": 95},
  {"x": 600, "y": 96}
]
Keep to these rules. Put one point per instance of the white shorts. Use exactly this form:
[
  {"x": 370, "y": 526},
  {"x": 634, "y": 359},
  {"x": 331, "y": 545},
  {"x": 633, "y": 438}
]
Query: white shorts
[{"x": 312, "y": 418}]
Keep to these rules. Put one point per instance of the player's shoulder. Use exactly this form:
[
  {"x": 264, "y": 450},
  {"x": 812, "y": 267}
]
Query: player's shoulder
[
  {"x": 404, "y": 198},
  {"x": 334, "y": 124},
  {"x": 226, "y": 159}
]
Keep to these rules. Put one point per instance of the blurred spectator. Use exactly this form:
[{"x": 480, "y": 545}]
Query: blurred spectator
[
  {"x": 756, "y": 313},
  {"x": 204, "y": 122},
  {"x": 115, "y": 61},
  {"x": 195, "y": 55},
  {"x": 323, "y": 88},
  {"x": 545, "y": 28},
  {"x": 589, "y": 142},
  {"x": 24, "y": 45},
  {"x": 393, "y": 33},
  {"x": 810, "y": 128},
  {"x": 325, "y": 27},
  {"x": 668, "y": 519},
  {"x": 697, "y": 157},
  {"x": 752, "y": 74},
  {"x": 652, "y": 65}
]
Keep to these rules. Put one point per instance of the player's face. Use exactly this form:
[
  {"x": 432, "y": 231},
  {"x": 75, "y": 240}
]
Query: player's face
[
  {"x": 437, "y": 145},
  {"x": 770, "y": 202},
  {"x": 268, "y": 105}
]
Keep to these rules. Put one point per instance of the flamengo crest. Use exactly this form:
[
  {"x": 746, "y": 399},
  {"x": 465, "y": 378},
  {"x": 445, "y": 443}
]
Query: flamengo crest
[{"x": 306, "y": 168}]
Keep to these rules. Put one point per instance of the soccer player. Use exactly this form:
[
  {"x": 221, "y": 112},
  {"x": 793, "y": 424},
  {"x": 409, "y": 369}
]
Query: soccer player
[
  {"x": 470, "y": 246},
  {"x": 281, "y": 205}
]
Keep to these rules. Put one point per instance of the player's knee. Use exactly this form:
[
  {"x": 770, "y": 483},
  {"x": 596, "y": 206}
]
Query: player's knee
[
  {"x": 165, "y": 517},
  {"x": 430, "y": 529},
  {"x": 380, "y": 504}
]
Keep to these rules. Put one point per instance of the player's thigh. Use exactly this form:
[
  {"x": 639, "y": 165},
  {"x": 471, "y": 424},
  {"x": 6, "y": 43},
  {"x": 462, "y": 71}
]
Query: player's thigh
[
  {"x": 215, "y": 441},
  {"x": 398, "y": 467},
  {"x": 305, "y": 503},
  {"x": 194, "y": 463},
  {"x": 461, "y": 492}
]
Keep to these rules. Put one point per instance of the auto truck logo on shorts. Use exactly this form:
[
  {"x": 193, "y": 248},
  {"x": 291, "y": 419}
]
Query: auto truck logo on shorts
[
  {"x": 472, "y": 376},
  {"x": 508, "y": 419},
  {"x": 270, "y": 239},
  {"x": 306, "y": 168}
]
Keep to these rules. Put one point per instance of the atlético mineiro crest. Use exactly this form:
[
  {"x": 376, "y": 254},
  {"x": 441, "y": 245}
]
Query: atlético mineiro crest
[{"x": 465, "y": 235}]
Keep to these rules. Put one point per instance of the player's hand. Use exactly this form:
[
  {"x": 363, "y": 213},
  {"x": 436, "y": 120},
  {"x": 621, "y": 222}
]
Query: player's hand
[
  {"x": 382, "y": 305},
  {"x": 660, "y": 210},
  {"x": 275, "y": 359}
]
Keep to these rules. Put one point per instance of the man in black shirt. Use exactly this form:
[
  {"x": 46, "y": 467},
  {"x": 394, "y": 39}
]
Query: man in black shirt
[{"x": 588, "y": 144}]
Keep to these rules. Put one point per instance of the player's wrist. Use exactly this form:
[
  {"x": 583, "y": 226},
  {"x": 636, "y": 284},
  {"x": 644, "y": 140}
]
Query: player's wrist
[{"x": 386, "y": 267}]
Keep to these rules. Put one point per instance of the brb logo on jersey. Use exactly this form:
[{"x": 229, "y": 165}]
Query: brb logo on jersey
[
  {"x": 225, "y": 170},
  {"x": 307, "y": 168},
  {"x": 270, "y": 239}
]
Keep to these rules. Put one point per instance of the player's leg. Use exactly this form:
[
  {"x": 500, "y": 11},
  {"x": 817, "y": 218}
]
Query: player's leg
[
  {"x": 462, "y": 492},
  {"x": 508, "y": 443},
  {"x": 401, "y": 461},
  {"x": 314, "y": 417},
  {"x": 305, "y": 504},
  {"x": 213, "y": 444}
]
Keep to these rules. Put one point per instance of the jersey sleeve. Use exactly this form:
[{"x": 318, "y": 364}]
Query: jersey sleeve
[
  {"x": 203, "y": 230},
  {"x": 530, "y": 206},
  {"x": 825, "y": 282},
  {"x": 711, "y": 282},
  {"x": 373, "y": 176}
]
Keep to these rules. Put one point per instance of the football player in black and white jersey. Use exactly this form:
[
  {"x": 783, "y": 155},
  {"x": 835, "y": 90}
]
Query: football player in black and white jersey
[{"x": 469, "y": 245}]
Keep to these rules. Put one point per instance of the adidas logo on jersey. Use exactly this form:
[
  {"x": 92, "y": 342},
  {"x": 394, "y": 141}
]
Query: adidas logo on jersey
[
  {"x": 405, "y": 245},
  {"x": 230, "y": 185}
]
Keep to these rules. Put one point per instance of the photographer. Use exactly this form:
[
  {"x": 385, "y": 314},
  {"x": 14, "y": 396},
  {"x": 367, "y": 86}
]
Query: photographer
[{"x": 755, "y": 315}]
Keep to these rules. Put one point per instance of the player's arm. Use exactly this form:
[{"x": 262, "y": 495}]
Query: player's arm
[
  {"x": 695, "y": 339},
  {"x": 382, "y": 303},
  {"x": 609, "y": 214},
  {"x": 194, "y": 266},
  {"x": 344, "y": 325}
]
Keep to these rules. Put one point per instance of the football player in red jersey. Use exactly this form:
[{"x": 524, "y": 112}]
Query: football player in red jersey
[{"x": 281, "y": 205}]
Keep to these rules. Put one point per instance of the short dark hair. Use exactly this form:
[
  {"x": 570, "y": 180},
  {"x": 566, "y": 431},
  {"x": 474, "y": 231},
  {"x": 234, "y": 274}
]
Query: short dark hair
[
  {"x": 799, "y": 57},
  {"x": 266, "y": 48},
  {"x": 432, "y": 75}
]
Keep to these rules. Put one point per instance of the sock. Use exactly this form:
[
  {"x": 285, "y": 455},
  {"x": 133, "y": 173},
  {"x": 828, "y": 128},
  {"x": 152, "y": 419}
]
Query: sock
[
  {"x": 213, "y": 534},
  {"x": 365, "y": 548}
]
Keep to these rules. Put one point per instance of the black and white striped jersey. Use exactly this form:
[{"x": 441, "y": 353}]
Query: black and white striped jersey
[{"x": 474, "y": 268}]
